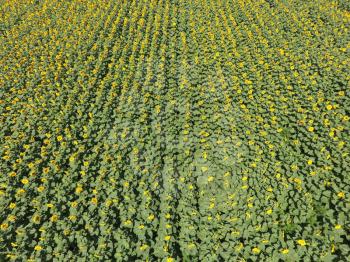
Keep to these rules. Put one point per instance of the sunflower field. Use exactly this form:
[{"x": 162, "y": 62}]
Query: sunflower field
[{"x": 173, "y": 130}]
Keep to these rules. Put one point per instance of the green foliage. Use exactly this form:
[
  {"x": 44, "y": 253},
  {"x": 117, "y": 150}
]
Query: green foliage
[{"x": 171, "y": 130}]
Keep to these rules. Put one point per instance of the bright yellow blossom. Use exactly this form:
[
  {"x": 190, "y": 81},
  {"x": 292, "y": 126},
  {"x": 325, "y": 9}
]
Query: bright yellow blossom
[
  {"x": 24, "y": 181},
  {"x": 38, "y": 248},
  {"x": 341, "y": 195},
  {"x": 256, "y": 250},
  {"x": 301, "y": 242},
  {"x": 167, "y": 238},
  {"x": 338, "y": 227},
  {"x": 311, "y": 129}
]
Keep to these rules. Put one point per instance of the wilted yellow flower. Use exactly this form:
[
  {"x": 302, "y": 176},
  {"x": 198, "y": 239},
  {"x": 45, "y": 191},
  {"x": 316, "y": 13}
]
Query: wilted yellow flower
[
  {"x": 210, "y": 179},
  {"x": 144, "y": 247},
  {"x": 285, "y": 251},
  {"x": 270, "y": 189},
  {"x": 191, "y": 245},
  {"x": 4, "y": 226},
  {"x": 312, "y": 173},
  {"x": 127, "y": 222},
  {"x": 36, "y": 219},
  {"x": 11, "y": 218},
  {"x": 294, "y": 167},
  {"x": 72, "y": 218},
  {"x": 158, "y": 109},
  {"x": 298, "y": 180},
  {"x": 20, "y": 191},
  {"x": 108, "y": 203},
  {"x": 11, "y": 256},
  {"x": 204, "y": 168},
  {"x": 54, "y": 218},
  {"x": 78, "y": 190},
  {"x": 205, "y": 155}
]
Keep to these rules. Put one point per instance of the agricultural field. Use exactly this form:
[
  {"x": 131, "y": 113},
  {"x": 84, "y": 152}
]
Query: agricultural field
[{"x": 173, "y": 130}]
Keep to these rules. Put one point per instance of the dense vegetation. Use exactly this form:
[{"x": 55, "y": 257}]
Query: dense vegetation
[{"x": 173, "y": 130}]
